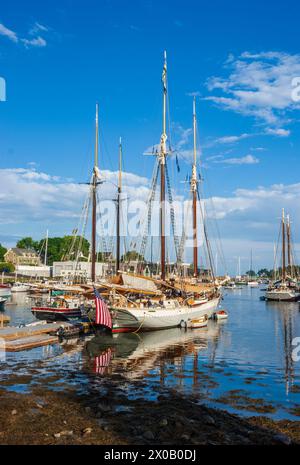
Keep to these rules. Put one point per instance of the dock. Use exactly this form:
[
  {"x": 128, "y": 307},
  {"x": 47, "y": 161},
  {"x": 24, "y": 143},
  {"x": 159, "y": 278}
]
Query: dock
[{"x": 29, "y": 337}]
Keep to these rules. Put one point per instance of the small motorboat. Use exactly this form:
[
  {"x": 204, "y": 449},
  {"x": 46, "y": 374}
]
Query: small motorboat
[
  {"x": 221, "y": 315},
  {"x": 58, "y": 309},
  {"x": 19, "y": 287},
  {"x": 198, "y": 322}
]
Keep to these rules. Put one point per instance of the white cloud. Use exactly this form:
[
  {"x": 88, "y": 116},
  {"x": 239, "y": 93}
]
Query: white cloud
[
  {"x": 36, "y": 42},
  {"x": 258, "y": 85},
  {"x": 37, "y": 27},
  {"x": 4, "y": 31},
  {"x": 246, "y": 160},
  {"x": 229, "y": 139},
  {"x": 278, "y": 132},
  {"x": 30, "y": 195}
]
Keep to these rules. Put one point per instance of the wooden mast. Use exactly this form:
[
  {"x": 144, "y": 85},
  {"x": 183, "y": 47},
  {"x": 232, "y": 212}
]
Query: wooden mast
[
  {"x": 162, "y": 161},
  {"x": 94, "y": 198},
  {"x": 289, "y": 251},
  {"x": 46, "y": 248},
  {"x": 118, "y": 248},
  {"x": 194, "y": 192},
  {"x": 283, "y": 247}
]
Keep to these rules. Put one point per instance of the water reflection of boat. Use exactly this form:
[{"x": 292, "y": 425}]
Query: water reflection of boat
[
  {"x": 5, "y": 291},
  {"x": 2, "y": 302},
  {"x": 135, "y": 354}
]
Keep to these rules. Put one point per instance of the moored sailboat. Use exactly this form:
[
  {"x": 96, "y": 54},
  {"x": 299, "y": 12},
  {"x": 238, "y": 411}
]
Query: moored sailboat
[{"x": 284, "y": 290}]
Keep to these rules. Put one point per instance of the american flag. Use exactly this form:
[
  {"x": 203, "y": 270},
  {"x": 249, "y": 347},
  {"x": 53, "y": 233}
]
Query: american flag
[
  {"x": 103, "y": 316},
  {"x": 102, "y": 362}
]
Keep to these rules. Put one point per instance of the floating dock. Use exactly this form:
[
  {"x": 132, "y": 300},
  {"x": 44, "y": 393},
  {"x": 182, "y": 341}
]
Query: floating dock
[{"x": 29, "y": 337}]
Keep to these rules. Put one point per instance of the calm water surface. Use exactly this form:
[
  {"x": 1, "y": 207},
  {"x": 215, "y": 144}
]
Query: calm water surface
[{"x": 243, "y": 365}]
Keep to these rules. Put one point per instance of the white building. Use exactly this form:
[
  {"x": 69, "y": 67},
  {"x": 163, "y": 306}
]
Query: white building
[
  {"x": 34, "y": 271},
  {"x": 82, "y": 269}
]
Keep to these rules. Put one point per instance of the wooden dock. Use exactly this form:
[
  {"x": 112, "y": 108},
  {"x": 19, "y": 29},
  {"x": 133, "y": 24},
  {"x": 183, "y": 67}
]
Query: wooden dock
[
  {"x": 32, "y": 342},
  {"x": 29, "y": 337}
]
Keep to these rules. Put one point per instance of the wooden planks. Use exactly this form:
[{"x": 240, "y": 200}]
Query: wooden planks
[
  {"x": 13, "y": 332},
  {"x": 27, "y": 343}
]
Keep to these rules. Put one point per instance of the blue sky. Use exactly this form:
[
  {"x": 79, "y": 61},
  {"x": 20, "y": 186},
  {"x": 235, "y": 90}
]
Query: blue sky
[{"x": 59, "y": 58}]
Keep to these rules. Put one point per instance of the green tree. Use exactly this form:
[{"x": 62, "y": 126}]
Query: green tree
[
  {"x": 64, "y": 248},
  {"x": 132, "y": 255},
  {"x": 251, "y": 273},
  {"x": 28, "y": 243},
  {"x": 3, "y": 251},
  {"x": 6, "y": 267},
  {"x": 264, "y": 273},
  {"x": 59, "y": 248}
]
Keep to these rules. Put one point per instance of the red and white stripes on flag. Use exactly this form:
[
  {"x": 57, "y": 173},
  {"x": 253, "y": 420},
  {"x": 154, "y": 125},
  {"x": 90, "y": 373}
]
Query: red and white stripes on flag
[
  {"x": 103, "y": 316},
  {"x": 102, "y": 362}
]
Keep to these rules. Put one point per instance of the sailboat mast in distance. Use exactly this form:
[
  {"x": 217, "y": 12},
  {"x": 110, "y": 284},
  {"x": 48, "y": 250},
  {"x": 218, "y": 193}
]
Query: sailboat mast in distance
[
  {"x": 118, "y": 251},
  {"x": 46, "y": 248},
  {"x": 162, "y": 161},
  {"x": 194, "y": 192},
  {"x": 94, "y": 196},
  {"x": 283, "y": 247},
  {"x": 289, "y": 250}
]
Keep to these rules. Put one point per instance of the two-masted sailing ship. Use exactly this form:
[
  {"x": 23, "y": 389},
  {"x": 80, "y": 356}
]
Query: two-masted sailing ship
[{"x": 284, "y": 289}]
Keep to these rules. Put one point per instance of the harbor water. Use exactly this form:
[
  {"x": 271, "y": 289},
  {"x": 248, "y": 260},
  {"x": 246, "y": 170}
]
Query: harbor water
[{"x": 244, "y": 364}]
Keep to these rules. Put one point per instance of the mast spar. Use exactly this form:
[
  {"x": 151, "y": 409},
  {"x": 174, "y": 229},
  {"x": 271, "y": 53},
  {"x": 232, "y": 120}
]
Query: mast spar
[
  {"x": 283, "y": 247},
  {"x": 289, "y": 251},
  {"x": 194, "y": 192},
  {"x": 162, "y": 162},
  {"x": 46, "y": 247},
  {"x": 118, "y": 248},
  {"x": 94, "y": 197}
]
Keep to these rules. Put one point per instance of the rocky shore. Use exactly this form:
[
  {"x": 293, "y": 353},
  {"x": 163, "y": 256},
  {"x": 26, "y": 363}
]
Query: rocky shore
[{"x": 111, "y": 417}]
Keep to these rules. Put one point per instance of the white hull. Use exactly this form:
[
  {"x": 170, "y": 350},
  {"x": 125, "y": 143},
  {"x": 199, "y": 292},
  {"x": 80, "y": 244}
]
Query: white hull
[
  {"x": 282, "y": 295},
  {"x": 19, "y": 288},
  {"x": 162, "y": 318},
  {"x": 253, "y": 284}
]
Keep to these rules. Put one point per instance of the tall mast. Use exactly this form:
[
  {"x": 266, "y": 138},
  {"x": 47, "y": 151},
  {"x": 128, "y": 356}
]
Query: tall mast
[
  {"x": 118, "y": 251},
  {"x": 275, "y": 270},
  {"x": 194, "y": 192},
  {"x": 283, "y": 247},
  {"x": 289, "y": 251},
  {"x": 94, "y": 196},
  {"x": 162, "y": 161},
  {"x": 46, "y": 248}
]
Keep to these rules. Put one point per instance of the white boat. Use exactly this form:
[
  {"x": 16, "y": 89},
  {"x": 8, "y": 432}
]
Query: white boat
[
  {"x": 19, "y": 287},
  {"x": 284, "y": 290},
  {"x": 230, "y": 285},
  {"x": 220, "y": 315},
  {"x": 252, "y": 283},
  {"x": 198, "y": 322},
  {"x": 2, "y": 302},
  {"x": 170, "y": 315},
  {"x": 282, "y": 294}
]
